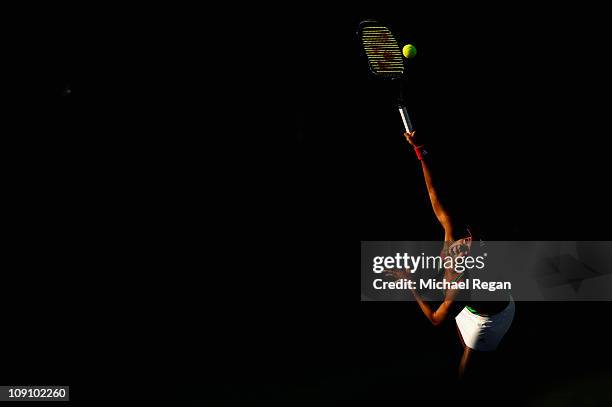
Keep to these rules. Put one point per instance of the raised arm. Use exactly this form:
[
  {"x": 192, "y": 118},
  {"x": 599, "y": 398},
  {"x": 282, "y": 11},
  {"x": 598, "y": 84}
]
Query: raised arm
[{"x": 440, "y": 211}]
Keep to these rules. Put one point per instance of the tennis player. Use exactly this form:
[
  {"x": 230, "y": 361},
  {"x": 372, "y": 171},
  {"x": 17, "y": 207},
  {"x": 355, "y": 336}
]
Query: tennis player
[{"x": 481, "y": 325}]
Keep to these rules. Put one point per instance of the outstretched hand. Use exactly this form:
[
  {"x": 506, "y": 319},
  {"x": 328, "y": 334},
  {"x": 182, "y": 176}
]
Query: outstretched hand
[{"x": 411, "y": 137}]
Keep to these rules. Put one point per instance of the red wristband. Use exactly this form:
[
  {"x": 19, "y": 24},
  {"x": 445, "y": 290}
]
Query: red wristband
[{"x": 420, "y": 152}]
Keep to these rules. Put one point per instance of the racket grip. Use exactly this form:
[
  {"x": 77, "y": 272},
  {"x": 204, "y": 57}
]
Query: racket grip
[{"x": 405, "y": 118}]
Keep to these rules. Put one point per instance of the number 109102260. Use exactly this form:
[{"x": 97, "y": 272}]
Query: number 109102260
[{"x": 38, "y": 392}]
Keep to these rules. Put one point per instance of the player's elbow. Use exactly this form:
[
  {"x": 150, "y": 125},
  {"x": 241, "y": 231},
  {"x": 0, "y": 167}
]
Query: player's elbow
[{"x": 437, "y": 318}]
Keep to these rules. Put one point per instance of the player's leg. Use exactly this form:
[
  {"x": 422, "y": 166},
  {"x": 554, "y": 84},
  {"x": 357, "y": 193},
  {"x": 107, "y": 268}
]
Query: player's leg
[
  {"x": 477, "y": 365},
  {"x": 465, "y": 361},
  {"x": 460, "y": 337},
  {"x": 465, "y": 357}
]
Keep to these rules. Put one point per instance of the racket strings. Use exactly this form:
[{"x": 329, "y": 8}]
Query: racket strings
[{"x": 382, "y": 50}]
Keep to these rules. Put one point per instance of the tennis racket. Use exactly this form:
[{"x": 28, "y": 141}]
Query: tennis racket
[{"x": 385, "y": 59}]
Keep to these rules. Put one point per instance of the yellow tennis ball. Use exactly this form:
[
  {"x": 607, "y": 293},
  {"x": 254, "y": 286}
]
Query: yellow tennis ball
[{"x": 409, "y": 51}]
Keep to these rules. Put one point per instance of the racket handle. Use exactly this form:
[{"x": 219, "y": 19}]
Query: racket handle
[{"x": 405, "y": 118}]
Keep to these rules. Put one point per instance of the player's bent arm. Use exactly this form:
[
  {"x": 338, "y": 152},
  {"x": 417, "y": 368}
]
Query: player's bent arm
[{"x": 435, "y": 317}]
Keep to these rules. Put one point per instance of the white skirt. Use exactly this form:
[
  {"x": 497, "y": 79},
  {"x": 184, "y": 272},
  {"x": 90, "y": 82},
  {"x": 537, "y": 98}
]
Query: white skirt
[{"x": 484, "y": 332}]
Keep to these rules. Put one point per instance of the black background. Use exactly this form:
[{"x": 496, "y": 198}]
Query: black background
[{"x": 192, "y": 206}]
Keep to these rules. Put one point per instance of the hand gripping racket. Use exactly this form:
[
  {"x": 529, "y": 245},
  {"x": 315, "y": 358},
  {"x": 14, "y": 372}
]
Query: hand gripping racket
[{"x": 385, "y": 59}]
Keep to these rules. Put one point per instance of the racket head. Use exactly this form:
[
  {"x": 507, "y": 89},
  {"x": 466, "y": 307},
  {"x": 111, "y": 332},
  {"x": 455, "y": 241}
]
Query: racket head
[{"x": 382, "y": 49}]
